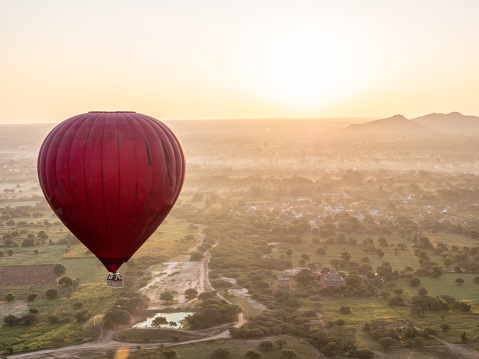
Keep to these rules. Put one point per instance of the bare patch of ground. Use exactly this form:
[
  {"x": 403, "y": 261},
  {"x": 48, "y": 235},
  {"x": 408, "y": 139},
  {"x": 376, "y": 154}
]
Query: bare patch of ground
[{"x": 41, "y": 274}]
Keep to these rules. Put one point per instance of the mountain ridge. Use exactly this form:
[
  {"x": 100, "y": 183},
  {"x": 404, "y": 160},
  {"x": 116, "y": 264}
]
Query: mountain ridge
[{"x": 432, "y": 124}]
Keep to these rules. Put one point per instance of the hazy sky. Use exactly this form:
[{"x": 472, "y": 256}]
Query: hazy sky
[{"x": 238, "y": 59}]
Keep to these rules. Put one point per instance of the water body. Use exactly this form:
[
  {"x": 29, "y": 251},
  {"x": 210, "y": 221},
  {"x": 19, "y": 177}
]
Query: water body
[{"x": 170, "y": 317}]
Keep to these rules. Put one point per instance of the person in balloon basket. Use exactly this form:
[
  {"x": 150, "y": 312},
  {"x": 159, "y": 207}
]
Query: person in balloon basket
[{"x": 115, "y": 276}]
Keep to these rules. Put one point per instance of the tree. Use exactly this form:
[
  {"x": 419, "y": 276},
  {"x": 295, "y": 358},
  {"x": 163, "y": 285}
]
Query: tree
[
  {"x": 10, "y": 252},
  {"x": 422, "y": 291},
  {"x": 32, "y": 297},
  {"x": 288, "y": 354},
  {"x": 289, "y": 252},
  {"x": 52, "y": 293},
  {"x": 28, "y": 242},
  {"x": 9, "y": 297},
  {"x": 191, "y": 293},
  {"x": 169, "y": 354},
  {"x": 398, "y": 291},
  {"x": 436, "y": 271},
  {"x": 252, "y": 354},
  {"x": 464, "y": 337},
  {"x": 280, "y": 343},
  {"x": 196, "y": 257},
  {"x": 29, "y": 319},
  {"x": 115, "y": 318},
  {"x": 159, "y": 321},
  {"x": 42, "y": 235},
  {"x": 266, "y": 345},
  {"x": 414, "y": 282},
  {"x": 476, "y": 280},
  {"x": 166, "y": 296},
  {"x": 11, "y": 320},
  {"x": 59, "y": 269},
  {"x": 9, "y": 242},
  {"x": 459, "y": 281},
  {"x": 220, "y": 353},
  {"x": 65, "y": 281},
  {"x": 172, "y": 324},
  {"x": 345, "y": 310},
  {"x": 445, "y": 327},
  {"x": 386, "y": 342}
]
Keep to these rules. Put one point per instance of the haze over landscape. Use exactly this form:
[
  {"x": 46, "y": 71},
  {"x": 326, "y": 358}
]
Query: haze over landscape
[{"x": 330, "y": 207}]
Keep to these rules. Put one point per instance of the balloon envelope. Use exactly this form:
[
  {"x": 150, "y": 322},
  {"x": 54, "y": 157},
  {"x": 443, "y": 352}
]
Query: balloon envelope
[{"x": 111, "y": 178}]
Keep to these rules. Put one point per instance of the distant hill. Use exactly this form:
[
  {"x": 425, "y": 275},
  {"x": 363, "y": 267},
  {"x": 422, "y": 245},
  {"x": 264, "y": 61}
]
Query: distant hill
[
  {"x": 451, "y": 123},
  {"x": 397, "y": 125},
  {"x": 433, "y": 124}
]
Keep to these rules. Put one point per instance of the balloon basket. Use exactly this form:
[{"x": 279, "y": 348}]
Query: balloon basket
[{"x": 114, "y": 280}]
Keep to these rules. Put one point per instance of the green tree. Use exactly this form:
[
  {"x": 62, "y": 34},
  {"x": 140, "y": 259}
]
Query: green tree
[
  {"x": 345, "y": 310},
  {"x": 116, "y": 317},
  {"x": 28, "y": 242},
  {"x": 196, "y": 256},
  {"x": 220, "y": 353},
  {"x": 159, "y": 321},
  {"x": 414, "y": 282},
  {"x": 190, "y": 293},
  {"x": 169, "y": 354},
  {"x": 445, "y": 327},
  {"x": 287, "y": 354},
  {"x": 266, "y": 345},
  {"x": 65, "y": 281},
  {"x": 280, "y": 343},
  {"x": 386, "y": 342},
  {"x": 10, "y": 252},
  {"x": 11, "y": 320},
  {"x": 52, "y": 293},
  {"x": 29, "y": 319},
  {"x": 9, "y": 297},
  {"x": 166, "y": 296},
  {"x": 252, "y": 354},
  {"x": 459, "y": 281},
  {"x": 42, "y": 235},
  {"x": 32, "y": 297},
  {"x": 59, "y": 269}
]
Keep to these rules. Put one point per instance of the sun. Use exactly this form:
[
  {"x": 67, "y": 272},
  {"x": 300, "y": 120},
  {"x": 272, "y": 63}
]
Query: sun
[{"x": 302, "y": 70}]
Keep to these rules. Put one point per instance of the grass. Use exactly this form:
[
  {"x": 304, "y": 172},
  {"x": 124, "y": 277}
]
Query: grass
[
  {"x": 167, "y": 241},
  {"x": 94, "y": 297}
]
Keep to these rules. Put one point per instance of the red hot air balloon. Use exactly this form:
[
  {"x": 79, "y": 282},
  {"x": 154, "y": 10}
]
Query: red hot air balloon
[{"x": 111, "y": 178}]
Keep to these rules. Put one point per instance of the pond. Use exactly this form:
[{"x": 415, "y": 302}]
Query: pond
[{"x": 170, "y": 317}]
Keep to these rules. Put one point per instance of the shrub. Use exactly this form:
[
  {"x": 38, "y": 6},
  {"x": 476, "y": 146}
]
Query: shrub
[
  {"x": 59, "y": 269},
  {"x": 29, "y": 319},
  {"x": 414, "y": 282},
  {"x": 9, "y": 297},
  {"x": 266, "y": 345},
  {"x": 345, "y": 310},
  {"x": 220, "y": 353},
  {"x": 252, "y": 354},
  {"x": 288, "y": 354},
  {"x": 52, "y": 293},
  {"x": 32, "y": 297}
]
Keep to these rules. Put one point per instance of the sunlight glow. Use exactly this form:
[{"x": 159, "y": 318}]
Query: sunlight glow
[{"x": 298, "y": 69}]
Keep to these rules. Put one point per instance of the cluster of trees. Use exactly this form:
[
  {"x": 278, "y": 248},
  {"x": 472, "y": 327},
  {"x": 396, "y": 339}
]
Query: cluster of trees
[{"x": 212, "y": 311}]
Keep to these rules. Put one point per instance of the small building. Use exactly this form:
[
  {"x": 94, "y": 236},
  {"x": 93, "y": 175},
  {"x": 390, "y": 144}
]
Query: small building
[
  {"x": 284, "y": 283},
  {"x": 332, "y": 279}
]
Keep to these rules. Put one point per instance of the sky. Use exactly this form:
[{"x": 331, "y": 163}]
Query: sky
[{"x": 222, "y": 59}]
